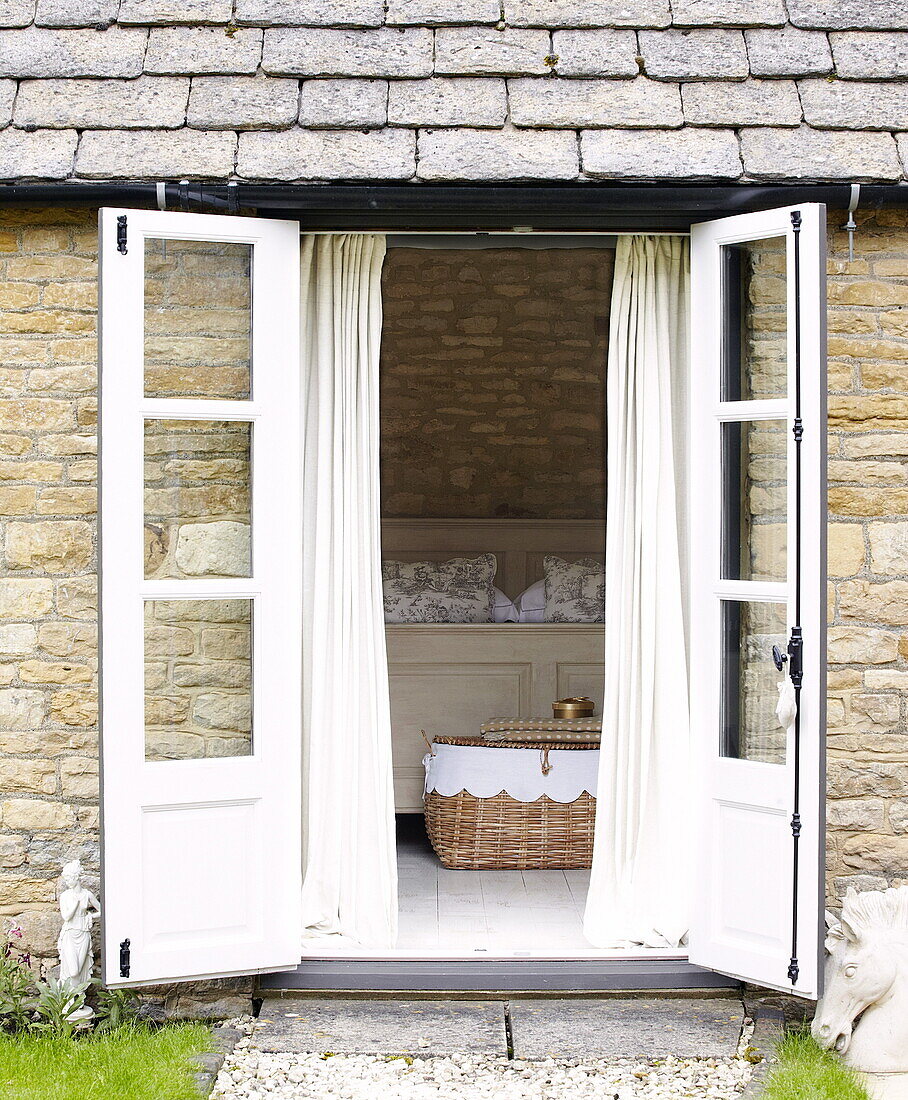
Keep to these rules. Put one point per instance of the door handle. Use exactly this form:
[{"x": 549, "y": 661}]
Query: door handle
[{"x": 778, "y": 658}]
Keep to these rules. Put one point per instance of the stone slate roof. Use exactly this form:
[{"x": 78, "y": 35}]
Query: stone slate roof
[{"x": 449, "y": 90}]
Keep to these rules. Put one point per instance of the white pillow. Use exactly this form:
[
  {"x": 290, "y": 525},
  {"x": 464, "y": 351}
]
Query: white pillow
[
  {"x": 503, "y": 609},
  {"x": 530, "y": 604}
]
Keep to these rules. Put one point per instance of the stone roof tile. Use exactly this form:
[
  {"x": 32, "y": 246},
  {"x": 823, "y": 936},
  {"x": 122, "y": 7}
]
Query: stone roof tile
[
  {"x": 818, "y": 155},
  {"x": 156, "y": 12},
  {"x": 694, "y": 55},
  {"x": 497, "y": 155},
  {"x": 691, "y": 153},
  {"x": 448, "y": 101},
  {"x": 310, "y": 13},
  {"x": 40, "y": 52},
  {"x": 76, "y": 13},
  {"x": 43, "y": 154},
  {"x": 155, "y": 154},
  {"x": 874, "y": 55},
  {"x": 850, "y": 105},
  {"x": 441, "y": 12},
  {"x": 728, "y": 13},
  {"x": 242, "y": 102},
  {"x": 731, "y": 103},
  {"x": 847, "y": 14},
  {"x": 471, "y": 51},
  {"x": 329, "y": 51},
  {"x": 191, "y": 50},
  {"x": 787, "y": 51},
  {"x": 595, "y": 53},
  {"x": 587, "y": 13},
  {"x": 581, "y": 103},
  {"x": 328, "y": 155}
]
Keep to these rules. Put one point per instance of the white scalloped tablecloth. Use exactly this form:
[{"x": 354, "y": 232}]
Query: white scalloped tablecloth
[{"x": 485, "y": 772}]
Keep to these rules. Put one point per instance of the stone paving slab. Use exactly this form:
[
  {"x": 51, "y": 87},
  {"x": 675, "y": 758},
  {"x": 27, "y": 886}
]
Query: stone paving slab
[
  {"x": 639, "y": 1028},
  {"x": 347, "y": 1026}
]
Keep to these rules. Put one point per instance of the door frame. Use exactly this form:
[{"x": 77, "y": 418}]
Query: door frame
[{"x": 595, "y": 974}]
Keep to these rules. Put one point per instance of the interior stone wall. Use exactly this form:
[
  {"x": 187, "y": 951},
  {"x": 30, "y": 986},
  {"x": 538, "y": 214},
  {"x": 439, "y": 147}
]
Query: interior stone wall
[
  {"x": 493, "y": 382},
  {"x": 48, "y": 604}
]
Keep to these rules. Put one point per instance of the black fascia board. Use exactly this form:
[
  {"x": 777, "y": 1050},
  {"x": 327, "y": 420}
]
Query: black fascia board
[{"x": 640, "y": 207}]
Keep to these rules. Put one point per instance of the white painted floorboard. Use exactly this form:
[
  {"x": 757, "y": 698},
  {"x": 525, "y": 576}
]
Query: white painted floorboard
[{"x": 487, "y": 914}]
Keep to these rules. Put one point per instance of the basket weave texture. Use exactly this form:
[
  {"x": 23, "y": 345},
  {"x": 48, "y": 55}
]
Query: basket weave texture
[{"x": 503, "y": 834}]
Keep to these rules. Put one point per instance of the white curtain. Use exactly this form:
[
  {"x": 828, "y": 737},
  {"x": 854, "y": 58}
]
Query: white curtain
[
  {"x": 639, "y": 881},
  {"x": 350, "y": 869}
]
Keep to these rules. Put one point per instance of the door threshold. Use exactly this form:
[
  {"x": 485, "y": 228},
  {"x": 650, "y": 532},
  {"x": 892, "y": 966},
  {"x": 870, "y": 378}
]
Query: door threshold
[
  {"x": 491, "y": 975},
  {"x": 480, "y": 954}
]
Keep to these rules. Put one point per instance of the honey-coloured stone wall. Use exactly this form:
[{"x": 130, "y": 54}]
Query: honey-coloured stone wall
[
  {"x": 868, "y": 554},
  {"x": 48, "y": 604},
  {"x": 493, "y": 382}
]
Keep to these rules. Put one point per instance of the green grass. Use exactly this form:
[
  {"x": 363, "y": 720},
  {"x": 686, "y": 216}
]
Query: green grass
[
  {"x": 807, "y": 1072},
  {"x": 127, "y": 1064}
]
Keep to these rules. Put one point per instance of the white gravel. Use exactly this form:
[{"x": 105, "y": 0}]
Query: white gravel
[{"x": 249, "y": 1074}]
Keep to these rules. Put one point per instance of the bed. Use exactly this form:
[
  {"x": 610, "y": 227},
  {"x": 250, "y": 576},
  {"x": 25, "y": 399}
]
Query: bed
[{"x": 449, "y": 678}]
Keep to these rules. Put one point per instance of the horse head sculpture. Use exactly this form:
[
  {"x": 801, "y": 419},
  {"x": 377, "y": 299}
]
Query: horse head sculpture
[{"x": 867, "y": 977}]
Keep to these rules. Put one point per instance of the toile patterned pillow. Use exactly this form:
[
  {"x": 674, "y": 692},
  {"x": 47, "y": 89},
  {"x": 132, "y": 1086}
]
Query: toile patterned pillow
[
  {"x": 574, "y": 591},
  {"x": 456, "y": 591}
]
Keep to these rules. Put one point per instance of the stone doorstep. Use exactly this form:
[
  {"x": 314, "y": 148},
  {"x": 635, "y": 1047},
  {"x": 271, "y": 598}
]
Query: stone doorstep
[
  {"x": 224, "y": 1040},
  {"x": 522, "y": 1027}
]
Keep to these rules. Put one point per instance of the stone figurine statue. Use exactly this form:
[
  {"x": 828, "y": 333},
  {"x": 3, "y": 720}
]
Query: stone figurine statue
[
  {"x": 867, "y": 975},
  {"x": 78, "y": 907}
]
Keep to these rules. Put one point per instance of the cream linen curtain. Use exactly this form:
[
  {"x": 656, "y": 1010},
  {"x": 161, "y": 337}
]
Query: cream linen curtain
[
  {"x": 350, "y": 869},
  {"x": 638, "y": 887}
]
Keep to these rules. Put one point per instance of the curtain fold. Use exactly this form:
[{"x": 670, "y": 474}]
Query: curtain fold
[
  {"x": 639, "y": 881},
  {"x": 350, "y": 868}
]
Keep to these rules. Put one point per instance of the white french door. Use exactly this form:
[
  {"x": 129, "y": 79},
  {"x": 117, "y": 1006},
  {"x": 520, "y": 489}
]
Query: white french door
[
  {"x": 757, "y": 543},
  {"x": 200, "y": 596}
]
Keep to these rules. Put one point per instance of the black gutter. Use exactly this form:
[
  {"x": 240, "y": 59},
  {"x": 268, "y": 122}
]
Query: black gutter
[{"x": 377, "y": 206}]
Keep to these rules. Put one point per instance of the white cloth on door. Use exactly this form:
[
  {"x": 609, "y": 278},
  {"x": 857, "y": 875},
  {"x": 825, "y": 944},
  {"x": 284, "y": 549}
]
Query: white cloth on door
[
  {"x": 525, "y": 774},
  {"x": 787, "y": 706},
  {"x": 350, "y": 867},
  {"x": 641, "y": 858}
]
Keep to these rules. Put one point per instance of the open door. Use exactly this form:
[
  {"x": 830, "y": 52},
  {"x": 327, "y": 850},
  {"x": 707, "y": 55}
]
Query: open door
[
  {"x": 200, "y": 595},
  {"x": 758, "y": 553}
]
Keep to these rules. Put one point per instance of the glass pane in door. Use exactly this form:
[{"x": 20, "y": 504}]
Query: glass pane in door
[
  {"x": 749, "y": 695},
  {"x": 755, "y": 500},
  {"x": 754, "y": 333},
  {"x": 198, "y": 319},
  {"x": 197, "y": 498},
  {"x": 198, "y": 679}
]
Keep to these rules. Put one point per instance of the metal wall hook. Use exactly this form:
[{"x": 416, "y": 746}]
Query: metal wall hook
[{"x": 851, "y": 224}]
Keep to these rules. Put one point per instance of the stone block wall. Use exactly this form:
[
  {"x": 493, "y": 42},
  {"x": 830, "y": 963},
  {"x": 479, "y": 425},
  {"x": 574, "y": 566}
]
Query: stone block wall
[
  {"x": 48, "y": 598},
  {"x": 868, "y": 555},
  {"x": 493, "y": 382},
  {"x": 455, "y": 90},
  {"x": 48, "y": 605}
]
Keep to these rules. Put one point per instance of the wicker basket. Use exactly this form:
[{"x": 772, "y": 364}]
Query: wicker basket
[{"x": 500, "y": 833}]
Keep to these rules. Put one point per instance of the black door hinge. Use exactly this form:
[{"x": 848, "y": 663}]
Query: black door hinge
[
  {"x": 124, "y": 959},
  {"x": 121, "y": 234},
  {"x": 796, "y": 656}
]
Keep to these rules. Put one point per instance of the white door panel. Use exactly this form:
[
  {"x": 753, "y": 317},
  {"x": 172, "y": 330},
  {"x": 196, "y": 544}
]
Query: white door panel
[
  {"x": 758, "y": 556},
  {"x": 200, "y": 599}
]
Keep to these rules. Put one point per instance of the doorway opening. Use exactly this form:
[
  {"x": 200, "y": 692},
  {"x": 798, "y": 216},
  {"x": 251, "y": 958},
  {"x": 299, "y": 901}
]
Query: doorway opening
[{"x": 493, "y": 453}]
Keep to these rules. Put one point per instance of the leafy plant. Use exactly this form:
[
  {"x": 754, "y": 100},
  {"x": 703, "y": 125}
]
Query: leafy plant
[
  {"x": 55, "y": 1003},
  {"x": 16, "y": 982},
  {"x": 115, "y": 1008}
]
